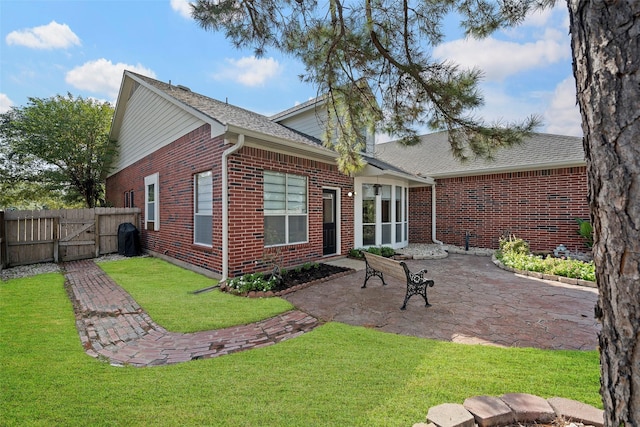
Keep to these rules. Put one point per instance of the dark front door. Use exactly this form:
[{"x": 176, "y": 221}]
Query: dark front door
[{"x": 329, "y": 222}]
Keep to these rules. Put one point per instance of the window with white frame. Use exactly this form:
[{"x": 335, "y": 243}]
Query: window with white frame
[
  {"x": 285, "y": 208},
  {"x": 203, "y": 209},
  {"x": 151, "y": 203}
]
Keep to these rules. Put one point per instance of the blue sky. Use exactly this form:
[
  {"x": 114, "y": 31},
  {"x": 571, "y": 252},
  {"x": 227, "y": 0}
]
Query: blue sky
[{"x": 82, "y": 47}]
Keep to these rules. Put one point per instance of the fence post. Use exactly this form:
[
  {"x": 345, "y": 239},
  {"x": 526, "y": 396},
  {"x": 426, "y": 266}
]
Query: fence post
[
  {"x": 56, "y": 239},
  {"x": 3, "y": 242},
  {"x": 97, "y": 234}
]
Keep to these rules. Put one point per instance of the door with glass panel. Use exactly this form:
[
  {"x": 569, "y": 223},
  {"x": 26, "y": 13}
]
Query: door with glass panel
[{"x": 329, "y": 232}]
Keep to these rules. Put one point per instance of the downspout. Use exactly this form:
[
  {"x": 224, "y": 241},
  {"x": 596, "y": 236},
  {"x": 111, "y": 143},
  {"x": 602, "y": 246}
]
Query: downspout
[
  {"x": 225, "y": 206},
  {"x": 433, "y": 215}
]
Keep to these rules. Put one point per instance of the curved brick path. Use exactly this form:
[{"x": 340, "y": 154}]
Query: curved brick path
[{"x": 114, "y": 327}]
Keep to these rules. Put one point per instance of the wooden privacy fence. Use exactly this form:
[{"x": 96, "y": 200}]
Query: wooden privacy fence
[{"x": 30, "y": 237}]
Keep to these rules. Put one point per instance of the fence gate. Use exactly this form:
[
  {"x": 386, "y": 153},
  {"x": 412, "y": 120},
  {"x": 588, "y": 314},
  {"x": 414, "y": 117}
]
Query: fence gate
[{"x": 62, "y": 235}]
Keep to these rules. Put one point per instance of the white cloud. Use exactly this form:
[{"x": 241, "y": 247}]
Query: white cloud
[
  {"x": 249, "y": 70},
  {"x": 183, "y": 7},
  {"x": 563, "y": 115},
  {"x": 499, "y": 59},
  {"x": 50, "y": 36},
  {"x": 5, "y": 103},
  {"x": 102, "y": 76}
]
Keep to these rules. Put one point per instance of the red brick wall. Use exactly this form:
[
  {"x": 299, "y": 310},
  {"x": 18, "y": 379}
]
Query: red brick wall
[
  {"x": 246, "y": 231},
  {"x": 197, "y": 152},
  {"x": 176, "y": 165},
  {"x": 420, "y": 215},
  {"x": 538, "y": 206}
]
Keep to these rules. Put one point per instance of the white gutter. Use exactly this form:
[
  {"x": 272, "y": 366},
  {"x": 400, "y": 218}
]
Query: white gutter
[
  {"x": 225, "y": 206},
  {"x": 433, "y": 215}
]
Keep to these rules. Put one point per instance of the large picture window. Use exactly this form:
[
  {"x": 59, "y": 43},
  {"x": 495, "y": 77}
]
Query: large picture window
[
  {"x": 285, "y": 208},
  {"x": 203, "y": 209},
  {"x": 151, "y": 203}
]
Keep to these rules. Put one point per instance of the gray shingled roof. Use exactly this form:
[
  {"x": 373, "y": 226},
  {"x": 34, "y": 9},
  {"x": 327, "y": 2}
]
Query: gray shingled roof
[
  {"x": 228, "y": 114},
  {"x": 432, "y": 157}
]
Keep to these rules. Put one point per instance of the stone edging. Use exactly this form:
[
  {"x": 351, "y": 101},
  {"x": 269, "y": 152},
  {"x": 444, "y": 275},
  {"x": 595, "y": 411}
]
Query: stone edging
[
  {"x": 535, "y": 274},
  {"x": 489, "y": 411}
]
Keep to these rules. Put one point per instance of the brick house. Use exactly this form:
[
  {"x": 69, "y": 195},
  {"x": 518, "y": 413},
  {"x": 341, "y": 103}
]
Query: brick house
[
  {"x": 534, "y": 190},
  {"x": 223, "y": 189}
]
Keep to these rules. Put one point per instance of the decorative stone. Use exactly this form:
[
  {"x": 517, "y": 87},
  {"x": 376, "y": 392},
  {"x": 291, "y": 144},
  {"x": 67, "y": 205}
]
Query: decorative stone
[
  {"x": 568, "y": 280},
  {"x": 489, "y": 411},
  {"x": 572, "y": 410},
  {"x": 450, "y": 415},
  {"x": 529, "y": 408}
]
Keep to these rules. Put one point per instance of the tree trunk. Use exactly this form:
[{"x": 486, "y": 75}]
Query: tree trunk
[{"x": 605, "y": 39}]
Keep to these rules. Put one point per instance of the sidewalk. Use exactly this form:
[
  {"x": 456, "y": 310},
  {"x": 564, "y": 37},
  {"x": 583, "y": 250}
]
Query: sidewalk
[{"x": 114, "y": 327}]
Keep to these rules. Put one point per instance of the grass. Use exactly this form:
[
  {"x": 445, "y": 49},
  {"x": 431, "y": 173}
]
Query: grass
[
  {"x": 336, "y": 375},
  {"x": 165, "y": 292}
]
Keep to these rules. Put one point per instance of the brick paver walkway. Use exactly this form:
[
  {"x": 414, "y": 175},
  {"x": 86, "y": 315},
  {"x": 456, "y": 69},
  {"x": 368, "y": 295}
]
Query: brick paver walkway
[{"x": 114, "y": 327}]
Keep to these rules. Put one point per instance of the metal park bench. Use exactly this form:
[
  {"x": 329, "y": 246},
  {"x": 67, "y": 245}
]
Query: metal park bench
[{"x": 379, "y": 266}]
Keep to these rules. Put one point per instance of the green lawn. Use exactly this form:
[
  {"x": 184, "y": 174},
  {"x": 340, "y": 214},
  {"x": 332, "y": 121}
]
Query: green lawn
[
  {"x": 165, "y": 292},
  {"x": 337, "y": 375}
]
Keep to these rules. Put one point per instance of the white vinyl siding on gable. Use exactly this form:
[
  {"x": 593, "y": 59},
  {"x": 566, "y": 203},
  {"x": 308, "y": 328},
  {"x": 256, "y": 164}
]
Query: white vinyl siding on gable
[
  {"x": 150, "y": 122},
  {"x": 311, "y": 122}
]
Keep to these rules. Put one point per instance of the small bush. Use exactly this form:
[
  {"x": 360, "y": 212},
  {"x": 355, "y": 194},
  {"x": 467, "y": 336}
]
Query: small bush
[
  {"x": 356, "y": 253},
  {"x": 585, "y": 229},
  {"x": 252, "y": 282},
  {"x": 512, "y": 244},
  {"x": 387, "y": 251},
  {"x": 375, "y": 250}
]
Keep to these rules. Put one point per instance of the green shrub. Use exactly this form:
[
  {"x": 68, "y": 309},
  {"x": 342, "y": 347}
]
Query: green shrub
[
  {"x": 356, "y": 253},
  {"x": 375, "y": 250},
  {"x": 387, "y": 251},
  {"x": 512, "y": 244},
  {"x": 252, "y": 282},
  {"x": 585, "y": 229},
  {"x": 384, "y": 251}
]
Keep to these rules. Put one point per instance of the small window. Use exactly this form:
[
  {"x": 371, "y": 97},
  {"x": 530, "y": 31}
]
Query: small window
[
  {"x": 203, "y": 209},
  {"x": 151, "y": 203},
  {"x": 128, "y": 199},
  {"x": 285, "y": 209}
]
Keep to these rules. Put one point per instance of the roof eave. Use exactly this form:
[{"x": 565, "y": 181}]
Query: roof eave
[
  {"x": 414, "y": 180},
  {"x": 296, "y": 146},
  {"x": 519, "y": 168}
]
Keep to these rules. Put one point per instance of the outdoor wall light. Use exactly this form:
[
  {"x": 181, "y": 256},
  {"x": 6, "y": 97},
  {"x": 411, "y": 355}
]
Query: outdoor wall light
[{"x": 351, "y": 193}]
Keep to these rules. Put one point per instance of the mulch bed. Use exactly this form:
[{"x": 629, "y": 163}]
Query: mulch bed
[{"x": 302, "y": 278}]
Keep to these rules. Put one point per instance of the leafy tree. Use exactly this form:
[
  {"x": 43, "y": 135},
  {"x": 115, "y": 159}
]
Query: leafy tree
[
  {"x": 59, "y": 145},
  {"x": 344, "y": 43}
]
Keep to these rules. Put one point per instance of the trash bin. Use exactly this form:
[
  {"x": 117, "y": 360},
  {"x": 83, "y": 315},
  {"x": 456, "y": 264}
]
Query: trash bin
[{"x": 128, "y": 240}]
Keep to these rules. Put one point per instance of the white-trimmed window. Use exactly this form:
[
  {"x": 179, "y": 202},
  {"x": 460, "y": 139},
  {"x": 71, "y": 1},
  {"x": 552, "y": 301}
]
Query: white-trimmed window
[
  {"x": 151, "y": 203},
  {"x": 203, "y": 208},
  {"x": 285, "y": 209}
]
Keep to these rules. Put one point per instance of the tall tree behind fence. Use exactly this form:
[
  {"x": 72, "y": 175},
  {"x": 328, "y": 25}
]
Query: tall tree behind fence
[{"x": 30, "y": 237}]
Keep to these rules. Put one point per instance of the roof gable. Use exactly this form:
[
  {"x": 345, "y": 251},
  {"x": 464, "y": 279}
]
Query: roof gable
[{"x": 220, "y": 115}]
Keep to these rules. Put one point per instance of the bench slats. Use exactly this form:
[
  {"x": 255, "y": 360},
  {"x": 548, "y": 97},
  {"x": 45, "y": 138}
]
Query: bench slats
[{"x": 379, "y": 266}]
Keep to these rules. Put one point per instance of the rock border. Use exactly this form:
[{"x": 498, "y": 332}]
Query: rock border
[
  {"x": 536, "y": 275},
  {"x": 512, "y": 408}
]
